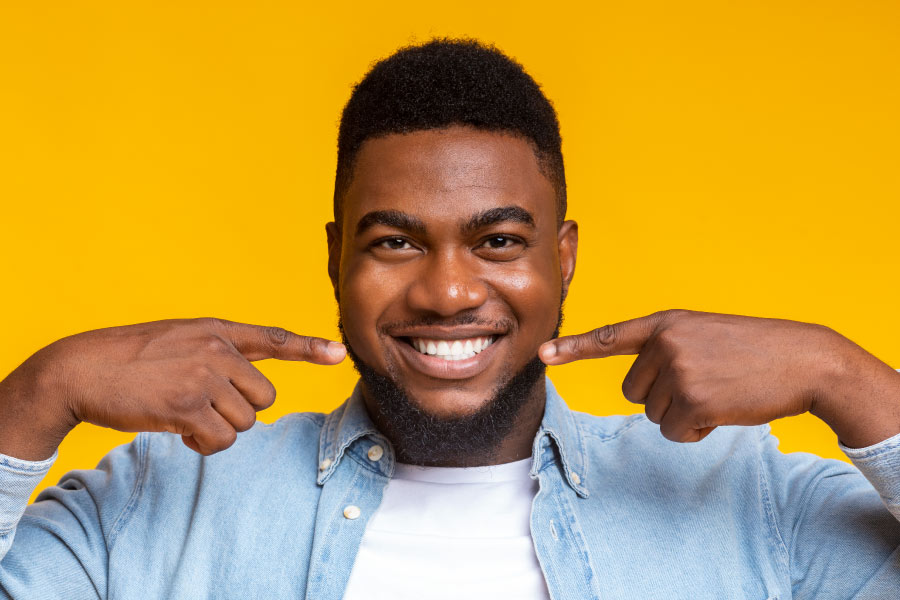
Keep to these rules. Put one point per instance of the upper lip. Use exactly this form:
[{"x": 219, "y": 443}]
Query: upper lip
[{"x": 446, "y": 333}]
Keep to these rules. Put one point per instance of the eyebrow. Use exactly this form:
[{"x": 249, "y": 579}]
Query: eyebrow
[
  {"x": 493, "y": 216},
  {"x": 390, "y": 218},
  {"x": 406, "y": 222}
]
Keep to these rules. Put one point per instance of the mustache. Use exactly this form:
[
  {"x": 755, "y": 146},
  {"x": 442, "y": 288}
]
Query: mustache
[{"x": 461, "y": 319}]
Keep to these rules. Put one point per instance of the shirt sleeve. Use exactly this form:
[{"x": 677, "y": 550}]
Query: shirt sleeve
[
  {"x": 18, "y": 478},
  {"x": 839, "y": 538},
  {"x": 880, "y": 464},
  {"x": 58, "y": 547}
]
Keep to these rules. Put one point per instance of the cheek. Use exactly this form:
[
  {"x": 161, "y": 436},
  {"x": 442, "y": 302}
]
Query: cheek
[
  {"x": 366, "y": 295},
  {"x": 533, "y": 293}
]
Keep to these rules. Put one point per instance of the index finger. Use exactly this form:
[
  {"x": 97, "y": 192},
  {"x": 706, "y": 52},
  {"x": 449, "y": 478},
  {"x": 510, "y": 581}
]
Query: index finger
[
  {"x": 257, "y": 342},
  {"x": 627, "y": 337}
]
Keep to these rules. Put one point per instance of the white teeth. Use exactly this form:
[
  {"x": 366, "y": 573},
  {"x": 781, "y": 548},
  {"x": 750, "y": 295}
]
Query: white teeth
[{"x": 451, "y": 349}]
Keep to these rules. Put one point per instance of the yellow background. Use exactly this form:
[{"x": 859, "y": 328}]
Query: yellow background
[{"x": 176, "y": 159}]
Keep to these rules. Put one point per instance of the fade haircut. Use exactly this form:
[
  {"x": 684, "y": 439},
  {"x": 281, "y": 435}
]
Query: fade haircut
[{"x": 447, "y": 82}]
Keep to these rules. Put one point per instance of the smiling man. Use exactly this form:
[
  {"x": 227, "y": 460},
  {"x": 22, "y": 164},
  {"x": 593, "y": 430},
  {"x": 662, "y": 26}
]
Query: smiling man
[{"x": 454, "y": 470}]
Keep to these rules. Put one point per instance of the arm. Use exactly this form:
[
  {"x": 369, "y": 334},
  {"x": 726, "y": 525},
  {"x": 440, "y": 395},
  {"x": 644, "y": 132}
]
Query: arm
[
  {"x": 192, "y": 377},
  {"x": 696, "y": 371}
]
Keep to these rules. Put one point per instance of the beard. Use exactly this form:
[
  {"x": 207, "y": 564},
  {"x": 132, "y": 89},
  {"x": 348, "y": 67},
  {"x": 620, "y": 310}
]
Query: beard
[{"x": 422, "y": 438}]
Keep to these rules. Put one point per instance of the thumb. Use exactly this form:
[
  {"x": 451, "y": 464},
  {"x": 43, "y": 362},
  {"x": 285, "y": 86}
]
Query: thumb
[{"x": 627, "y": 337}]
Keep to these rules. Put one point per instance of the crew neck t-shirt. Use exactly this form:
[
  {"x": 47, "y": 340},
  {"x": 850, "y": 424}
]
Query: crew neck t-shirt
[{"x": 446, "y": 532}]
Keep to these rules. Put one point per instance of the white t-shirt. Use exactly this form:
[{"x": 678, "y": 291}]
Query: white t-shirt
[{"x": 455, "y": 533}]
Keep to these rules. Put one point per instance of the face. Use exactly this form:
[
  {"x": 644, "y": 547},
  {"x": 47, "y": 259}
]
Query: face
[{"x": 449, "y": 266}]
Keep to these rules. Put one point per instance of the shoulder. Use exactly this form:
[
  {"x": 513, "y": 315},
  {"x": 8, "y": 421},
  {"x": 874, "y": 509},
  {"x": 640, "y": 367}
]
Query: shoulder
[{"x": 633, "y": 443}]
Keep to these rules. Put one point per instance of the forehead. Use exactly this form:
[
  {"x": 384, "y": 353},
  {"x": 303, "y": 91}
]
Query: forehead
[{"x": 453, "y": 170}]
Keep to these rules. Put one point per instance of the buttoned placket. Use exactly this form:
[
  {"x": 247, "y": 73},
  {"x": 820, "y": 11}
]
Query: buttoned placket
[
  {"x": 559, "y": 542},
  {"x": 352, "y": 488}
]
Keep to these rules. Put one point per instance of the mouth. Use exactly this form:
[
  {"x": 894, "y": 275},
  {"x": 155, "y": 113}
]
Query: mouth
[
  {"x": 449, "y": 357},
  {"x": 458, "y": 349}
]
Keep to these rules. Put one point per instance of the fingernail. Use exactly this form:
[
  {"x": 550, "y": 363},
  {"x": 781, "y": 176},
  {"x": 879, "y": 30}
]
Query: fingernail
[
  {"x": 336, "y": 349},
  {"x": 548, "y": 351}
]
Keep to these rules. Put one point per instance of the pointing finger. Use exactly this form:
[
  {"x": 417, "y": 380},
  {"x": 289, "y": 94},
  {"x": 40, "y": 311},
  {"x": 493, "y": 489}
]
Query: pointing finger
[
  {"x": 256, "y": 342},
  {"x": 627, "y": 337}
]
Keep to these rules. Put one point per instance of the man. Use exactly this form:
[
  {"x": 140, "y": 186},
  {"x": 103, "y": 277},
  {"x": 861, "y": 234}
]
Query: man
[{"x": 454, "y": 469}]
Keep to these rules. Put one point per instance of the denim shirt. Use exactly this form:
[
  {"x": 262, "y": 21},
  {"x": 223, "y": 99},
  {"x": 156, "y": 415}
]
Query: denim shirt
[{"x": 621, "y": 512}]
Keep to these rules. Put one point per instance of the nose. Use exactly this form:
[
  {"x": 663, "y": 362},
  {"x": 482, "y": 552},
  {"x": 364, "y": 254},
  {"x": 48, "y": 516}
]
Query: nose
[{"x": 447, "y": 285}]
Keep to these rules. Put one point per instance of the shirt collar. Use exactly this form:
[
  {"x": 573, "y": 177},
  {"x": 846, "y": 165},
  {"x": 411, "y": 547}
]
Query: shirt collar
[
  {"x": 558, "y": 440},
  {"x": 346, "y": 424}
]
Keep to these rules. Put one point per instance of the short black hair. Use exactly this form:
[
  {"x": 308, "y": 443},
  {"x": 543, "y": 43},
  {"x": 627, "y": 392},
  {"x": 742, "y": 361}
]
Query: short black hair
[{"x": 446, "y": 82}]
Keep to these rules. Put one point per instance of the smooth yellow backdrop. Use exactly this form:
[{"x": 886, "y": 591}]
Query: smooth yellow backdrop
[{"x": 176, "y": 159}]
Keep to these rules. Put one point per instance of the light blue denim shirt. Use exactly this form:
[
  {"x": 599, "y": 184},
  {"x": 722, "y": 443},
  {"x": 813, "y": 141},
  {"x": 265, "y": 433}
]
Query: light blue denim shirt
[{"x": 621, "y": 513}]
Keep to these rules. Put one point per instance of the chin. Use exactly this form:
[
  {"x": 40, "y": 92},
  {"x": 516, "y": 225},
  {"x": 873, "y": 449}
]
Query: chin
[{"x": 451, "y": 403}]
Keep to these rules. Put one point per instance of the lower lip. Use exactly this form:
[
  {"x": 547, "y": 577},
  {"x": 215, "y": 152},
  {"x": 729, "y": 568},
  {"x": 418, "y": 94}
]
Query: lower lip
[{"x": 448, "y": 369}]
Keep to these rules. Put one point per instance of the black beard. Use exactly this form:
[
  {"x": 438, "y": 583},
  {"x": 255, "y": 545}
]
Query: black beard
[{"x": 422, "y": 438}]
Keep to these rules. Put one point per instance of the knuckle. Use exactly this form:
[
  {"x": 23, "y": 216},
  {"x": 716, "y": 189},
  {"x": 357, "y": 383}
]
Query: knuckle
[
  {"x": 691, "y": 401},
  {"x": 674, "y": 434},
  {"x": 310, "y": 346},
  {"x": 209, "y": 322},
  {"x": 667, "y": 432},
  {"x": 275, "y": 336},
  {"x": 675, "y": 313},
  {"x": 628, "y": 391},
  {"x": 667, "y": 339},
  {"x": 247, "y": 422},
  {"x": 228, "y": 438},
  {"x": 654, "y": 414},
  {"x": 214, "y": 345},
  {"x": 605, "y": 336},
  {"x": 268, "y": 395},
  {"x": 200, "y": 374},
  {"x": 679, "y": 367},
  {"x": 187, "y": 402}
]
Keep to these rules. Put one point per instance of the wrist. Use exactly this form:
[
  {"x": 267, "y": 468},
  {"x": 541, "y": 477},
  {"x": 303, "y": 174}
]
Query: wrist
[
  {"x": 856, "y": 394},
  {"x": 34, "y": 416}
]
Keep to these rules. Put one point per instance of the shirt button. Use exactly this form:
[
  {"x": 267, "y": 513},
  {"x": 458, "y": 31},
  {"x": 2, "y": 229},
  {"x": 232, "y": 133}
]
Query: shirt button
[
  {"x": 324, "y": 464},
  {"x": 575, "y": 478},
  {"x": 376, "y": 452},
  {"x": 352, "y": 512}
]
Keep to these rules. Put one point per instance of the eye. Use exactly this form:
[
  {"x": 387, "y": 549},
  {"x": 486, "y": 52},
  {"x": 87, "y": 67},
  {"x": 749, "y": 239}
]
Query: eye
[
  {"x": 498, "y": 241},
  {"x": 500, "y": 247},
  {"x": 397, "y": 243}
]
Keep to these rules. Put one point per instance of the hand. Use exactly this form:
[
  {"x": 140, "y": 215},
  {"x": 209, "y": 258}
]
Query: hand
[
  {"x": 192, "y": 377},
  {"x": 696, "y": 371}
]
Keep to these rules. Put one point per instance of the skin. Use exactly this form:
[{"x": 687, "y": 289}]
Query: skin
[{"x": 694, "y": 371}]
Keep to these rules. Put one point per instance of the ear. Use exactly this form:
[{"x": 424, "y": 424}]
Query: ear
[
  {"x": 567, "y": 241},
  {"x": 333, "y": 234}
]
